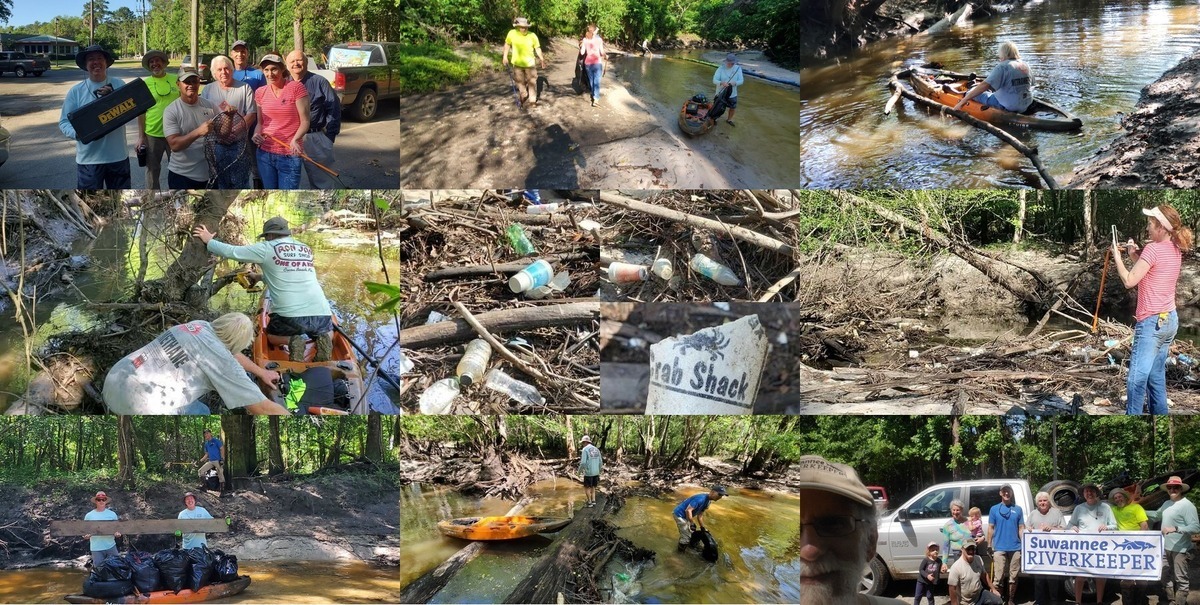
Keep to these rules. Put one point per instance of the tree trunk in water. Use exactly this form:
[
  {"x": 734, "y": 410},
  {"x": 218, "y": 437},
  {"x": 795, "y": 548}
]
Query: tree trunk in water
[
  {"x": 125, "y": 452},
  {"x": 193, "y": 260},
  {"x": 374, "y": 451},
  {"x": 274, "y": 448},
  {"x": 571, "y": 450},
  {"x": 1088, "y": 228},
  {"x": 648, "y": 443},
  {"x": 1020, "y": 226},
  {"x": 238, "y": 433}
]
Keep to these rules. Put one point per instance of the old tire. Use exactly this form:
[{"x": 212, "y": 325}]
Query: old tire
[
  {"x": 1063, "y": 494},
  {"x": 875, "y": 578},
  {"x": 20, "y": 71},
  {"x": 366, "y": 105}
]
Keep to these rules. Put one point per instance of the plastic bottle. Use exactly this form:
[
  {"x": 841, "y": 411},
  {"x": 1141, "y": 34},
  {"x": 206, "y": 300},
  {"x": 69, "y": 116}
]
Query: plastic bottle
[
  {"x": 520, "y": 392},
  {"x": 1110, "y": 343},
  {"x": 626, "y": 273},
  {"x": 662, "y": 268},
  {"x": 543, "y": 208},
  {"x": 533, "y": 196},
  {"x": 1186, "y": 360},
  {"x": 474, "y": 362},
  {"x": 518, "y": 240},
  {"x": 713, "y": 270},
  {"x": 438, "y": 398},
  {"x": 535, "y": 275}
]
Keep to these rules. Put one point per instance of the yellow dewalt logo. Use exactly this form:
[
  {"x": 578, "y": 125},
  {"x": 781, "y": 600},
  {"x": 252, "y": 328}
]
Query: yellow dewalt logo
[{"x": 115, "y": 112}]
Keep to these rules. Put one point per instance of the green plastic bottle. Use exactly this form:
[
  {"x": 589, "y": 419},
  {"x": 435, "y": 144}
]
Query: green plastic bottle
[{"x": 518, "y": 240}]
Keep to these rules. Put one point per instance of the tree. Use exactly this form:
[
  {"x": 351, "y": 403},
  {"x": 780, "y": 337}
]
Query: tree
[
  {"x": 126, "y": 463},
  {"x": 5, "y": 10},
  {"x": 374, "y": 448},
  {"x": 238, "y": 435},
  {"x": 274, "y": 448}
]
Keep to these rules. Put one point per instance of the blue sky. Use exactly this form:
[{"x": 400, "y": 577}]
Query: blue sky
[{"x": 28, "y": 11}]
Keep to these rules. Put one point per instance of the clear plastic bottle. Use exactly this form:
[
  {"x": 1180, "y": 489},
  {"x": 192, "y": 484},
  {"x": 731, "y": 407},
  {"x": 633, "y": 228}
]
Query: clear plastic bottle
[
  {"x": 536, "y": 275},
  {"x": 439, "y": 397},
  {"x": 713, "y": 270},
  {"x": 662, "y": 268},
  {"x": 474, "y": 362},
  {"x": 518, "y": 240},
  {"x": 542, "y": 208},
  {"x": 520, "y": 392}
]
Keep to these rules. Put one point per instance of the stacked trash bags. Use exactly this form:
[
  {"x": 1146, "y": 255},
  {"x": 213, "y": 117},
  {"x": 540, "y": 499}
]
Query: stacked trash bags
[{"x": 172, "y": 570}]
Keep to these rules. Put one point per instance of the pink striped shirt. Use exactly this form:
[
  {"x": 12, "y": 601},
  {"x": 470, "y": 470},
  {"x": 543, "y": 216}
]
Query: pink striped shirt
[
  {"x": 1156, "y": 291},
  {"x": 279, "y": 116}
]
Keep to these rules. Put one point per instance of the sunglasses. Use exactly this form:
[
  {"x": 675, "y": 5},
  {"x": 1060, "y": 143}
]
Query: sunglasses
[
  {"x": 834, "y": 526},
  {"x": 101, "y": 499}
]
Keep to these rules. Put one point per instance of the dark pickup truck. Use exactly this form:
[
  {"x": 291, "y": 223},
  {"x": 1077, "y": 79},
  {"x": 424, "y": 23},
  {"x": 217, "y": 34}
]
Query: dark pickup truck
[
  {"x": 363, "y": 73},
  {"x": 21, "y": 64}
]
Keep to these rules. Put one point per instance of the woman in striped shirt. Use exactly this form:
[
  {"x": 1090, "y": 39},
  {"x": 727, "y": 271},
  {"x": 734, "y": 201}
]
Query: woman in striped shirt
[
  {"x": 1155, "y": 272},
  {"x": 283, "y": 117}
]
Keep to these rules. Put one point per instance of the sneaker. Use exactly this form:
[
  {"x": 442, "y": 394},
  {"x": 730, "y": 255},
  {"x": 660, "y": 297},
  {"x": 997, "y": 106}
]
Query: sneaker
[
  {"x": 593, "y": 102},
  {"x": 730, "y": 122},
  {"x": 296, "y": 347}
]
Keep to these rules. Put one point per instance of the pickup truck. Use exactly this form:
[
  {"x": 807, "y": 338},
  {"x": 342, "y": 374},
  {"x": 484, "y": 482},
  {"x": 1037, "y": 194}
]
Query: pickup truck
[
  {"x": 21, "y": 64},
  {"x": 363, "y": 73}
]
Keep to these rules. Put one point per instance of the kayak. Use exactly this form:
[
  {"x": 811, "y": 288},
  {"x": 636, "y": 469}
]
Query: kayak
[
  {"x": 207, "y": 593},
  {"x": 693, "y": 118},
  {"x": 343, "y": 364},
  {"x": 949, "y": 88},
  {"x": 500, "y": 528}
]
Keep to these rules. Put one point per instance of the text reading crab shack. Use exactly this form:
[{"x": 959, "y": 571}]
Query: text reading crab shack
[
  {"x": 713, "y": 371},
  {"x": 1127, "y": 555}
]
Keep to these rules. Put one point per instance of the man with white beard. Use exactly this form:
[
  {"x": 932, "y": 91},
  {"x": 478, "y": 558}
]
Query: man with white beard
[{"x": 838, "y": 534}]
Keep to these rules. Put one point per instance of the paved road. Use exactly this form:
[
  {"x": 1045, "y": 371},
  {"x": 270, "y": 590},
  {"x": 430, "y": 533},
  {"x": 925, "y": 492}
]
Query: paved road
[{"x": 368, "y": 154}]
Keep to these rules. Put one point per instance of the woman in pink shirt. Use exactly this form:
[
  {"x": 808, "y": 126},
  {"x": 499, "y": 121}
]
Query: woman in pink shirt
[
  {"x": 283, "y": 109},
  {"x": 1155, "y": 272},
  {"x": 591, "y": 48}
]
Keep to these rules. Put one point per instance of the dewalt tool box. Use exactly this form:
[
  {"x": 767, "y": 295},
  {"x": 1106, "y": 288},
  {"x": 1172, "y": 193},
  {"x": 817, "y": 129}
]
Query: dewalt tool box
[{"x": 111, "y": 111}]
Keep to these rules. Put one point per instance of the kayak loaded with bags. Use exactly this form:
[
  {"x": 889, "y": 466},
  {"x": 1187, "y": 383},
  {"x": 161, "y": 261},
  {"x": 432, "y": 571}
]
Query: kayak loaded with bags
[
  {"x": 169, "y": 576},
  {"x": 698, "y": 116}
]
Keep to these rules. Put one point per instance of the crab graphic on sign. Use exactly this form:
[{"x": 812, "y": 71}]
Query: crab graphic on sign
[{"x": 713, "y": 371}]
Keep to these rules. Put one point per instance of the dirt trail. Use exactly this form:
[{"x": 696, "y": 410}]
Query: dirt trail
[{"x": 475, "y": 136}]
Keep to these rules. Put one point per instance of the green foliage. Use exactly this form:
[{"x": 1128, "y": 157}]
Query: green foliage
[
  {"x": 432, "y": 66},
  {"x": 390, "y": 290}
]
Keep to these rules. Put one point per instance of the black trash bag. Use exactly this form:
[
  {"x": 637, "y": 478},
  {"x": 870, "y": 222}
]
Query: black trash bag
[
  {"x": 202, "y": 568},
  {"x": 106, "y": 589},
  {"x": 720, "y": 103},
  {"x": 706, "y": 543},
  {"x": 114, "y": 568},
  {"x": 146, "y": 577},
  {"x": 212, "y": 479},
  {"x": 582, "y": 82},
  {"x": 225, "y": 566},
  {"x": 173, "y": 568}
]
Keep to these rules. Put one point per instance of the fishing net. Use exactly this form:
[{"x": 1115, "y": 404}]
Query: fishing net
[{"x": 228, "y": 151}]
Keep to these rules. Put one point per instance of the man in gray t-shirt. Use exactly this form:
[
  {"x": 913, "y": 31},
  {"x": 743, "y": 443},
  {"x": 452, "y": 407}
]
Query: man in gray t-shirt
[
  {"x": 1008, "y": 86},
  {"x": 185, "y": 122},
  {"x": 234, "y": 154}
]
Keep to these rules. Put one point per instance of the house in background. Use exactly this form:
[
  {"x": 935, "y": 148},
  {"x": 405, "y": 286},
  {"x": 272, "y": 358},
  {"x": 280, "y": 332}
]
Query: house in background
[{"x": 39, "y": 45}]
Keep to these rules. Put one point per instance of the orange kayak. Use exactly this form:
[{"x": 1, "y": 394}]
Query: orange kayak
[
  {"x": 207, "y": 593},
  {"x": 693, "y": 118},
  {"x": 500, "y": 528},
  {"x": 949, "y": 88}
]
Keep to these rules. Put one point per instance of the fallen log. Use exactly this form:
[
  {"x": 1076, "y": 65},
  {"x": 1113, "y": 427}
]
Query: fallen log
[
  {"x": 746, "y": 235},
  {"x": 504, "y": 320},
  {"x": 949, "y": 21},
  {"x": 425, "y": 587},
  {"x": 505, "y": 268}
]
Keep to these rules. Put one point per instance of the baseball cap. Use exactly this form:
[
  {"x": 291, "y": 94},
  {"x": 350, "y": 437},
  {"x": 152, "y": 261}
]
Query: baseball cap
[
  {"x": 240, "y": 43},
  {"x": 272, "y": 58},
  {"x": 819, "y": 473},
  {"x": 188, "y": 72}
]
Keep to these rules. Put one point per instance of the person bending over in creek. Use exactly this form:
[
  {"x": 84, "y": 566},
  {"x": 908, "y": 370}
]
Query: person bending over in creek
[
  {"x": 168, "y": 376},
  {"x": 1008, "y": 86},
  {"x": 690, "y": 513}
]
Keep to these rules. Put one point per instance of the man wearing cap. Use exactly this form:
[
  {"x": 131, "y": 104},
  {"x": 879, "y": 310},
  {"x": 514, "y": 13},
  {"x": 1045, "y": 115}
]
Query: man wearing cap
[
  {"x": 1006, "y": 523},
  {"x": 838, "y": 534},
  {"x": 1179, "y": 522},
  {"x": 968, "y": 579},
  {"x": 690, "y": 513},
  {"x": 298, "y": 304},
  {"x": 589, "y": 467},
  {"x": 185, "y": 122},
  {"x": 103, "y": 163},
  {"x": 324, "y": 121},
  {"x": 243, "y": 69},
  {"x": 525, "y": 49},
  {"x": 102, "y": 546},
  {"x": 150, "y": 124},
  {"x": 214, "y": 457},
  {"x": 233, "y": 98},
  {"x": 196, "y": 539},
  {"x": 1092, "y": 515},
  {"x": 729, "y": 75}
]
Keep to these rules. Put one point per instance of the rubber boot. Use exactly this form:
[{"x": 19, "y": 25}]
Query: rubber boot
[
  {"x": 296, "y": 347},
  {"x": 324, "y": 347}
]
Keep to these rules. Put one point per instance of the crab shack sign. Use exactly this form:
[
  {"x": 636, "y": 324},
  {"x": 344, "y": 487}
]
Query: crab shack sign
[
  {"x": 1125, "y": 555},
  {"x": 713, "y": 371}
]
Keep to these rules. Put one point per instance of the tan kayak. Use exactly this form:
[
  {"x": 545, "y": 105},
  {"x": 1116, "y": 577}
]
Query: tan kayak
[{"x": 500, "y": 528}]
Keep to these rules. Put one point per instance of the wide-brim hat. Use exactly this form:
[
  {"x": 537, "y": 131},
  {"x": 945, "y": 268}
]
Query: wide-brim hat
[
  {"x": 1175, "y": 480},
  {"x": 81, "y": 56},
  {"x": 100, "y": 495},
  {"x": 155, "y": 53},
  {"x": 276, "y": 225},
  {"x": 189, "y": 495},
  {"x": 585, "y": 438},
  {"x": 821, "y": 474},
  {"x": 521, "y": 22}
]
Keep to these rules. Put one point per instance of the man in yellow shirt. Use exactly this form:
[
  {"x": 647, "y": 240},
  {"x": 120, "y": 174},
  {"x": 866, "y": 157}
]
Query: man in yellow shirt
[
  {"x": 152, "y": 138},
  {"x": 525, "y": 48}
]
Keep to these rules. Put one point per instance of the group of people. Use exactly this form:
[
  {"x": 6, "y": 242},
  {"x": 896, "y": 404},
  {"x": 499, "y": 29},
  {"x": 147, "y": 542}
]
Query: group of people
[
  {"x": 523, "y": 50},
  {"x": 270, "y": 121},
  {"x": 104, "y": 546},
  {"x": 171, "y": 374},
  {"x": 839, "y": 536}
]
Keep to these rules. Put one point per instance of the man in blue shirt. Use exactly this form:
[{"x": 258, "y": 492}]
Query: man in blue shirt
[
  {"x": 1006, "y": 522},
  {"x": 103, "y": 163},
  {"x": 243, "y": 69},
  {"x": 690, "y": 512},
  {"x": 198, "y": 539},
  {"x": 214, "y": 457},
  {"x": 324, "y": 122}
]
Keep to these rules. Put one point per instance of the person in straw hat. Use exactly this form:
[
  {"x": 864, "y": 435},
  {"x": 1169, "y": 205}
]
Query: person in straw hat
[
  {"x": 838, "y": 534},
  {"x": 1179, "y": 522},
  {"x": 194, "y": 539},
  {"x": 525, "y": 49},
  {"x": 102, "y": 546},
  {"x": 150, "y": 124}
]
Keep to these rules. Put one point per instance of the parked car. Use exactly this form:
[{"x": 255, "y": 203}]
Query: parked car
[
  {"x": 364, "y": 73},
  {"x": 205, "y": 67},
  {"x": 21, "y": 63},
  {"x": 880, "y": 496},
  {"x": 5, "y": 141}
]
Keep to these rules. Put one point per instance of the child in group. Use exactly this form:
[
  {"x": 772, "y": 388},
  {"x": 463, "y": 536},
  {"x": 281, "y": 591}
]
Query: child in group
[
  {"x": 975, "y": 523},
  {"x": 928, "y": 574}
]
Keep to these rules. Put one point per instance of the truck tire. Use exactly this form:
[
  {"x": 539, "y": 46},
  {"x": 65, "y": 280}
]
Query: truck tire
[
  {"x": 365, "y": 105},
  {"x": 20, "y": 71},
  {"x": 875, "y": 578},
  {"x": 1063, "y": 494},
  {"x": 38, "y": 73}
]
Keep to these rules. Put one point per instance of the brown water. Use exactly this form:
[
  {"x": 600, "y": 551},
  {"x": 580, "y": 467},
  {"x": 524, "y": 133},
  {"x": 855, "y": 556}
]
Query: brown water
[
  {"x": 1090, "y": 57},
  {"x": 298, "y": 582},
  {"x": 758, "y": 533}
]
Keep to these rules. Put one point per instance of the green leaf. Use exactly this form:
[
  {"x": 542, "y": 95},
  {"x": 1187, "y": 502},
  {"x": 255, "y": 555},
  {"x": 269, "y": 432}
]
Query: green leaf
[
  {"x": 378, "y": 288},
  {"x": 382, "y": 204}
]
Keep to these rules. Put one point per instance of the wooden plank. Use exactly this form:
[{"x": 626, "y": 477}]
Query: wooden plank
[{"x": 139, "y": 526}]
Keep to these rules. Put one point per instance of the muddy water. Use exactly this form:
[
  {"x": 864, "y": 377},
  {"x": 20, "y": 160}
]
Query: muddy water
[
  {"x": 757, "y": 533},
  {"x": 299, "y": 582},
  {"x": 1090, "y": 57},
  {"x": 766, "y": 134}
]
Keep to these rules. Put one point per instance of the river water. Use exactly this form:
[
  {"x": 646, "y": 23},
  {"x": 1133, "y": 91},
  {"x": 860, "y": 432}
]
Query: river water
[
  {"x": 758, "y": 534},
  {"x": 296, "y": 582},
  {"x": 1091, "y": 57}
]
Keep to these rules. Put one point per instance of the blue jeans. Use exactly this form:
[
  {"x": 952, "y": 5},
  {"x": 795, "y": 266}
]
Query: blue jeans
[
  {"x": 595, "y": 70},
  {"x": 114, "y": 175},
  {"x": 279, "y": 171},
  {"x": 195, "y": 408},
  {"x": 1147, "y": 381}
]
